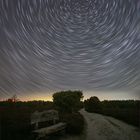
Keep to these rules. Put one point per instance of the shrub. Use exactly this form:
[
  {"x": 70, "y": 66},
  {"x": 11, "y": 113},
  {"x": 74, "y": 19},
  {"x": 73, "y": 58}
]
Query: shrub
[
  {"x": 75, "y": 123},
  {"x": 68, "y": 101},
  {"x": 93, "y": 104}
]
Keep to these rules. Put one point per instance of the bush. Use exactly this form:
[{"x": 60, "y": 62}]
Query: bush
[
  {"x": 93, "y": 104},
  {"x": 68, "y": 101},
  {"x": 75, "y": 123}
]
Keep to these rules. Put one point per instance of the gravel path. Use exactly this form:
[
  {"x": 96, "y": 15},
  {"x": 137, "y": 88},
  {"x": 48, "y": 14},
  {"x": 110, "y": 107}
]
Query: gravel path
[{"x": 101, "y": 127}]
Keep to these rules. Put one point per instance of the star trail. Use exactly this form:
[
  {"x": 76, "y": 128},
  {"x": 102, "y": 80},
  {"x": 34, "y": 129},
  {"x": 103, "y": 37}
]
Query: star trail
[{"x": 48, "y": 45}]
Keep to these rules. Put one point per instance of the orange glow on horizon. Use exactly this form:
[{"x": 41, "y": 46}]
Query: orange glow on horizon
[
  {"x": 37, "y": 97},
  {"x": 102, "y": 95}
]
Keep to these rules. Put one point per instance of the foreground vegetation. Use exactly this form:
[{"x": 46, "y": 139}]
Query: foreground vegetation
[
  {"x": 15, "y": 118},
  {"x": 15, "y": 115},
  {"x": 125, "y": 110},
  {"x": 68, "y": 103}
]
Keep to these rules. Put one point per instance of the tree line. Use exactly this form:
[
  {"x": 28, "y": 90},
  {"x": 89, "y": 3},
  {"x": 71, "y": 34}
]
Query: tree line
[
  {"x": 125, "y": 110},
  {"x": 15, "y": 114}
]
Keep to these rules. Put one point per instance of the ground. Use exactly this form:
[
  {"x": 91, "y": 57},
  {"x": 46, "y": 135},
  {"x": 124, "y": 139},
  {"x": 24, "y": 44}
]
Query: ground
[{"x": 100, "y": 127}]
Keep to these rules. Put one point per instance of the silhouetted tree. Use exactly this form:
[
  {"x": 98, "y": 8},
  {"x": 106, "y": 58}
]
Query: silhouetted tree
[
  {"x": 93, "y": 104},
  {"x": 68, "y": 101},
  {"x": 13, "y": 99}
]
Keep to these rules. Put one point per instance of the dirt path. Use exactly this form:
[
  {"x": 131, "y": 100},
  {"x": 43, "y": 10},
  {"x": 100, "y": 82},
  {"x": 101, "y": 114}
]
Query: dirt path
[{"x": 101, "y": 127}]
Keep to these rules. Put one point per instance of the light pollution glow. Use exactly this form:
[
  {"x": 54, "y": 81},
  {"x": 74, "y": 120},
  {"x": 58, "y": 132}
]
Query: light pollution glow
[
  {"x": 102, "y": 95},
  {"x": 82, "y": 44}
]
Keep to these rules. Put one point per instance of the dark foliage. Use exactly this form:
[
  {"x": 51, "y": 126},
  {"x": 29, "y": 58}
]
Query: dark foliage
[
  {"x": 74, "y": 121},
  {"x": 125, "y": 110},
  {"x": 68, "y": 101},
  {"x": 128, "y": 111},
  {"x": 93, "y": 104},
  {"x": 15, "y": 118}
]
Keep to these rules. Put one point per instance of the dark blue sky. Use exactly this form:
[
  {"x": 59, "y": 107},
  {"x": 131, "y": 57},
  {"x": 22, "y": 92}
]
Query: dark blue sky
[{"x": 51, "y": 45}]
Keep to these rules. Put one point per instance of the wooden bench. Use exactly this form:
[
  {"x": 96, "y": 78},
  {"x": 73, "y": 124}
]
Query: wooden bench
[{"x": 46, "y": 116}]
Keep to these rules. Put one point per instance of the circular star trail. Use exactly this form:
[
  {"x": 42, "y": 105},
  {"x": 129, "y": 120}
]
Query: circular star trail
[{"x": 69, "y": 44}]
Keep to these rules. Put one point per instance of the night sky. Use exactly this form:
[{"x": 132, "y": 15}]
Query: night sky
[{"x": 53, "y": 45}]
